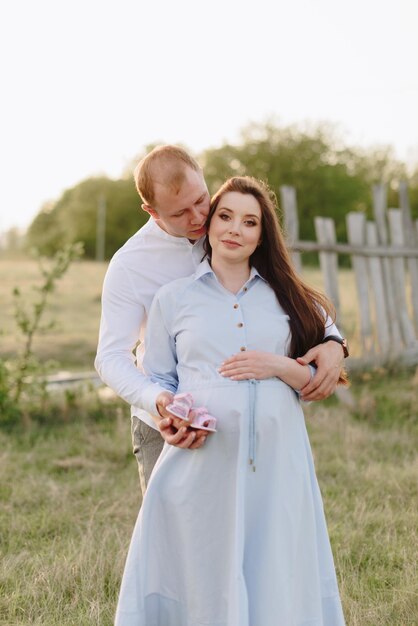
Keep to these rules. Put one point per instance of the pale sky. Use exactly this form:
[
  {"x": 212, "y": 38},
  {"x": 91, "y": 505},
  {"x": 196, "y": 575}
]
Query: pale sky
[{"x": 87, "y": 83}]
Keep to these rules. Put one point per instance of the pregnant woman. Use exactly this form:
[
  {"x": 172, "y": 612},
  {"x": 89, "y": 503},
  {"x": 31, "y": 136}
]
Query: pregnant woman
[{"x": 234, "y": 533}]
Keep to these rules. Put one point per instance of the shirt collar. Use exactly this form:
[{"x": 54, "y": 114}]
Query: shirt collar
[{"x": 204, "y": 269}]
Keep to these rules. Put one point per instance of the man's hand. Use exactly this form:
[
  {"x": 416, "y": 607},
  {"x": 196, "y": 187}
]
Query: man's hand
[
  {"x": 328, "y": 358},
  {"x": 174, "y": 430},
  {"x": 251, "y": 364}
]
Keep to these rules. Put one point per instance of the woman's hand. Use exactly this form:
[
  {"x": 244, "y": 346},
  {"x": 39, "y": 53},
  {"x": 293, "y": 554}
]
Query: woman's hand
[
  {"x": 163, "y": 399},
  {"x": 174, "y": 430},
  {"x": 251, "y": 364},
  {"x": 329, "y": 359}
]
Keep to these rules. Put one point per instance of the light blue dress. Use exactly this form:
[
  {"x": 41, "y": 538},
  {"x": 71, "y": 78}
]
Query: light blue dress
[{"x": 232, "y": 534}]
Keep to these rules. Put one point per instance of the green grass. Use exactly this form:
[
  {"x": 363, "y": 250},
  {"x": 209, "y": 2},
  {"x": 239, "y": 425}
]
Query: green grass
[
  {"x": 367, "y": 468},
  {"x": 69, "y": 497}
]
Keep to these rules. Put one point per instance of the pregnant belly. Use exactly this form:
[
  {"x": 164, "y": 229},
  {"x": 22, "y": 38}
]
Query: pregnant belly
[{"x": 233, "y": 402}]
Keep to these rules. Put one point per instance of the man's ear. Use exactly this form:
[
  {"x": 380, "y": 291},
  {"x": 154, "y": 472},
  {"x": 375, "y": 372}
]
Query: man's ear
[{"x": 150, "y": 210}]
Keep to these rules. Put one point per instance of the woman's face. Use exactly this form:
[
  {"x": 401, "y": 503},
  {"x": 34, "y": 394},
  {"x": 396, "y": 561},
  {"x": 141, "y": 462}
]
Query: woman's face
[{"x": 235, "y": 228}]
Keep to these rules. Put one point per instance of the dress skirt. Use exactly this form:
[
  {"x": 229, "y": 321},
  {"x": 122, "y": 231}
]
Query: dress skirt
[{"x": 234, "y": 533}]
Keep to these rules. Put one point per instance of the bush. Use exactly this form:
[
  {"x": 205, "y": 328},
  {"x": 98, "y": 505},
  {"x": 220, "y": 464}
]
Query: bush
[{"x": 23, "y": 384}]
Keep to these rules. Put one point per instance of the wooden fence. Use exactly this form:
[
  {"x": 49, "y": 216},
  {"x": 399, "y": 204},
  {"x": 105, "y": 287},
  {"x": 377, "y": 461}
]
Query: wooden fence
[{"x": 384, "y": 258}]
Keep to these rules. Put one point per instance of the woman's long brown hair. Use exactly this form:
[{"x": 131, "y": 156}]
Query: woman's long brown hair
[{"x": 272, "y": 260}]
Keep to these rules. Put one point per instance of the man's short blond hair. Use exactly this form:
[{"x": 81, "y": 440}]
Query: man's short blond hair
[{"x": 165, "y": 165}]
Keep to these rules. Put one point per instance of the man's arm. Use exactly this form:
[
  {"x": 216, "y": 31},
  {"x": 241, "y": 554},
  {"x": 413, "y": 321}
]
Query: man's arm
[
  {"x": 123, "y": 314},
  {"x": 329, "y": 359}
]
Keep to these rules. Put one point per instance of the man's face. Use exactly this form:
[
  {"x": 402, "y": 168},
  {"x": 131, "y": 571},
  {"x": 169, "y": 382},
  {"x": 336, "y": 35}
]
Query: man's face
[{"x": 182, "y": 214}]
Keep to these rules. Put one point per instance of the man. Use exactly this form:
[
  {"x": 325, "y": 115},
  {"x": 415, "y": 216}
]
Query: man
[{"x": 169, "y": 246}]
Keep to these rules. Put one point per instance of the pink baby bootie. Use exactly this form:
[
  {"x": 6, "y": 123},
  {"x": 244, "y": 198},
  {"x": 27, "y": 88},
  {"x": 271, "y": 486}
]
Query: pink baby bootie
[
  {"x": 203, "y": 420},
  {"x": 181, "y": 405}
]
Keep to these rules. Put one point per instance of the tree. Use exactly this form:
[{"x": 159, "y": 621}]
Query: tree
[
  {"x": 314, "y": 161},
  {"x": 330, "y": 178},
  {"x": 74, "y": 217}
]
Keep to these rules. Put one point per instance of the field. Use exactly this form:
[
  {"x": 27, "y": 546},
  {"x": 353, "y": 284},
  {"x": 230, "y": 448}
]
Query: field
[
  {"x": 75, "y": 307},
  {"x": 69, "y": 493}
]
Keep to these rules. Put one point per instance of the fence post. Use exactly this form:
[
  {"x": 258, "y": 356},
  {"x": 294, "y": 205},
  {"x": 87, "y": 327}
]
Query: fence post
[
  {"x": 356, "y": 223},
  {"x": 377, "y": 282},
  {"x": 411, "y": 240},
  {"x": 399, "y": 283},
  {"x": 291, "y": 220},
  {"x": 325, "y": 234},
  {"x": 101, "y": 228},
  {"x": 379, "y": 210}
]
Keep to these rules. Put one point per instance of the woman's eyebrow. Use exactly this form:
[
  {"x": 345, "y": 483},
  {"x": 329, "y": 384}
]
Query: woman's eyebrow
[{"x": 224, "y": 208}]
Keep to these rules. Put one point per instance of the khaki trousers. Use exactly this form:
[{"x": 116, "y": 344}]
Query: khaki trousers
[{"x": 147, "y": 445}]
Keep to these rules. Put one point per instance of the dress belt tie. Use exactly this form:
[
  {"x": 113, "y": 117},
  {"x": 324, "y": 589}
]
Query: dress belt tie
[{"x": 252, "y": 435}]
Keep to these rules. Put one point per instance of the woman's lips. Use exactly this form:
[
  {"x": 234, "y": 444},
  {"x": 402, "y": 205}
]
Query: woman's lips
[{"x": 231, "y": 244}]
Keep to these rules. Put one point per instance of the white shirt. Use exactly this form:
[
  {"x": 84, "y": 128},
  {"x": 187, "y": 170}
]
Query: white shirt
[{"x": 149, "y": 259}]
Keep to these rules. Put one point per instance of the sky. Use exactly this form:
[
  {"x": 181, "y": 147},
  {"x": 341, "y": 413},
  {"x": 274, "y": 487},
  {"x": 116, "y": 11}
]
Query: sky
[{"x": 87, "y": 84}]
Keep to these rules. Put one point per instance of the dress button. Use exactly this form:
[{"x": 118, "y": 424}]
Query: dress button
[
  {"x": 236, "y": 306},
  {"x": 245, "y": 289},
  {"x": 240, "y": 325},
  {"x": 243, "y": 349}
]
